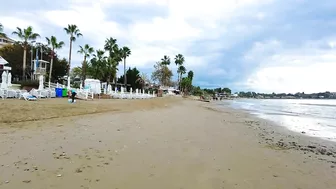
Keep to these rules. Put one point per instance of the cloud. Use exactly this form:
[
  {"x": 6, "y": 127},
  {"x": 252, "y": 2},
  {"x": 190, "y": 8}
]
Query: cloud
[
  {"x": 259, "y": 45},
  {"x": 281, "y": 68}
]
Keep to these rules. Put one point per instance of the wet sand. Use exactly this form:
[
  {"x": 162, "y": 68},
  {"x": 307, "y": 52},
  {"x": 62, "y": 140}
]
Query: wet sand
[{"x": 178, "y": 144}]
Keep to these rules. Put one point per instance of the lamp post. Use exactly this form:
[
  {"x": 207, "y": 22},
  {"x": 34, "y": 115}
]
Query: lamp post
[{"x": 31, "y": 58}]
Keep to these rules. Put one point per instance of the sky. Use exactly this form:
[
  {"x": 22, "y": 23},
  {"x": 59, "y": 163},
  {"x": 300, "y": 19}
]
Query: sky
[{"x": 246, "y": 45}]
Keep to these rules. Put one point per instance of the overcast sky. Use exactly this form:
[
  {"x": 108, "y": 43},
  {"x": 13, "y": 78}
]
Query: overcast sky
[{"x": 259, "y": 45}]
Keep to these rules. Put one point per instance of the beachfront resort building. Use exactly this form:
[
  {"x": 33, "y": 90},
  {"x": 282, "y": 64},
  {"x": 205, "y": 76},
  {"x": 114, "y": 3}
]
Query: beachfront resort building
[{"x": 5, "y": 41}]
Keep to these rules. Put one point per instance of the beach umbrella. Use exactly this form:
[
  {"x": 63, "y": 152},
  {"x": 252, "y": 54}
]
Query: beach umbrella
[
  {"x": 4, "y": 80},
  {"x": 9, "y": 81},
  {"x": 40, "y": 83}
]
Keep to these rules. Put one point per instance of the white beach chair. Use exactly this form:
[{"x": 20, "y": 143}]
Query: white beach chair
[
  {"x": 11, "y": 93},
  {"x": 19, "y": 93},
  {"x": 28, "y": 97},
  {"x": 36, "y": 93},
  {"x": 3, "y": 93}
]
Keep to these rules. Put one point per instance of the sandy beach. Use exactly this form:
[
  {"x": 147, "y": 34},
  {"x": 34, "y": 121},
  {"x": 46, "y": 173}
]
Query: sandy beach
[{"x": 158, "y": 143}]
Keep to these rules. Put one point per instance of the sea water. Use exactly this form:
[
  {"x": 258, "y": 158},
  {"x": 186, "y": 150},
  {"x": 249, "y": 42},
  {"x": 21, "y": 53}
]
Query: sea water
[{"x": 313, "y": 117}]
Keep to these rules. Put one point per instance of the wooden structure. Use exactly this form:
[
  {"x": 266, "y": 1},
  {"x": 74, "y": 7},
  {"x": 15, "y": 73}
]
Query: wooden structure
[{"x": 40, "y": 68}]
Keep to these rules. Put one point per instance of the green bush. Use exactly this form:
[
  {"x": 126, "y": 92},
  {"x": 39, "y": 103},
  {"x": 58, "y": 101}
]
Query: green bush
[{"x": 29, "y": 83}]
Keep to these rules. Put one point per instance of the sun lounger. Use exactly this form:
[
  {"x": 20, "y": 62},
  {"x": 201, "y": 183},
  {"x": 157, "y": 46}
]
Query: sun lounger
[
  {"x": 3, "y": 93},
  {"x": 28, "y": 97}
]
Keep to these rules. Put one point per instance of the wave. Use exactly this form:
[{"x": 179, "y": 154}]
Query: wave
[
  {"x": 322, "y": 105},
  {"x": 315, "y": 117}
]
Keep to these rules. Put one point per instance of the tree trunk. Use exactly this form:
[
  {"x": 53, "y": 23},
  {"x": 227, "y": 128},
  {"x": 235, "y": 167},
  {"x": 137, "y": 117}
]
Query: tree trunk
[
  {"x": 51, "y": 65},
  {"x": 178, "y": 81},
  {"x": 24, "y": 63},
  {"x": 125, "y": 78},
  {"x": 84, "y": 71},
  {"x": 107, "y": 83},
  {"x": 70, "y": 57}
]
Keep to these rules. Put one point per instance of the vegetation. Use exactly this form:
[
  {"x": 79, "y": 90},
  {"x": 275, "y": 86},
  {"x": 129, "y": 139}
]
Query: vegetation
[
  {"x": 100, "y": 64},
  {"x": 125, "y": 52},
  {"x": 133, "y": 76},
  {"x": 26, "y": 35},
  {"x": 74, "y": 33},
  {"x": 218, "y": 90},
  {"x": 29, "y": 84},
  {"x": 86, "y": 51},
  {"x": 2, "y": 34},
  {"x": 52, "y": 41},
  {"x": 324, "y": 95},
  {"x": 179, "y": 61},
  {"x": 162, "y": 73},
  {"x": 14, "y": 55}
]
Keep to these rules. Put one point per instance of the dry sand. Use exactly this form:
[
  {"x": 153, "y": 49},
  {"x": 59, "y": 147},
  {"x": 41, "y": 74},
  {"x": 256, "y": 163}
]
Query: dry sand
[{"x": 178, "y": 144}]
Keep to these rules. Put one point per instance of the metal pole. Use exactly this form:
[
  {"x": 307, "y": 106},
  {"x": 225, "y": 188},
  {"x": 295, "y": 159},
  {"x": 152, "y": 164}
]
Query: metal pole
[
  {"x": 31, "y": 63},
  {"x": 41, "y": 52}
]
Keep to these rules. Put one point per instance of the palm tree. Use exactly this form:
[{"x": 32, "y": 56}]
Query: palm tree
[
  {"x": 114, "y": 58},
  {"x": 1, "y": 31},
  {"x": 98, "y": 62},
  {"x": 165, "y": 60},
  {"x": 191, "y": 75},
  {"x": 112, "y": 69},
  {"x": 87, "y": 52},
  {"x": 111, "y": 45},
  {"x": 52, "y": 41},
  {"x": 181, "y": 70},
  {"x": 125, "y": 52},
  {"x": 74, "y": 33},
  {"x": 26, "y": 35},
  {"x": 179, "y": 60}
]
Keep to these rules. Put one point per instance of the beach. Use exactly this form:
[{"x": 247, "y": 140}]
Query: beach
[{"x": 154, "y": 143}]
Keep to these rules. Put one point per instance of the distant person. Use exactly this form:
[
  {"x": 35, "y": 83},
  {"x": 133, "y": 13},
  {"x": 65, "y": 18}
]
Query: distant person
[{"x": 73, "y": 95}]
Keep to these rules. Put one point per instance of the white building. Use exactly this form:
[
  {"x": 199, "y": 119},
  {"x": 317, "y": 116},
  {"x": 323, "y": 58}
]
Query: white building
[
  {"x": 168, "y": 90},
  {"x": 5, "y": 41}
]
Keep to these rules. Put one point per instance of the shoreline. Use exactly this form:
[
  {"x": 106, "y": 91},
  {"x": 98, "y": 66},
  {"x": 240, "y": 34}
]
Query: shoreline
[{"x": 281, "y": 137}]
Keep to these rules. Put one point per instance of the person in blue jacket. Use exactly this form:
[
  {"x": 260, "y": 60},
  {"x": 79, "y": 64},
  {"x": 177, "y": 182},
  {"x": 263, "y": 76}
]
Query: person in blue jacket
[{"x": 73, "y": 95}]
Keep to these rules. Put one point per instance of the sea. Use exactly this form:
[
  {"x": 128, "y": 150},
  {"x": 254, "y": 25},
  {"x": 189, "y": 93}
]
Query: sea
[{"x": 312, "y": 117}]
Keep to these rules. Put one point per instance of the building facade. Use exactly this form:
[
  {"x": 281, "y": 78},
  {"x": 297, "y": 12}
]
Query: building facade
[{"x": 5, "y": 41}]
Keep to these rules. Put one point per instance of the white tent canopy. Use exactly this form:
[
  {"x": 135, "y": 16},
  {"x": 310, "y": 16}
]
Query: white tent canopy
[{"x": 3, "y": 61}]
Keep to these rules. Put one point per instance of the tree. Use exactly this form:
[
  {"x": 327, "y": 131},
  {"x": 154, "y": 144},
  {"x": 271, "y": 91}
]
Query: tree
[
  {"x": 52, "y": 41},
  {"x": 26, "y": 35},
  {"x": 97, "y": 65},
  {"x": 2, "y": 34},
  {"x": 142, "y": 80},
  {"x": 60, "y": 68},
  {"x": 162, "y": 74},
  {"x": 165, "y": 60},
  {"x": 86, "y": 51},
  {"x": 191, "y": 75},
  {"x": 186, "y": 85},
  {"x": 181, "y": 70},
  {"x": 76, "y": 72},
  {"x": 14, "y": 54},
  {"x": 125, "y": 52},
  {"x": 179, "y": 61},
  {"x": 132, "y": 78},
  {"x": 113, "y": 60},
  {"x": 226, "y": 90},
  {"x": 74, "y": 33}
]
